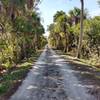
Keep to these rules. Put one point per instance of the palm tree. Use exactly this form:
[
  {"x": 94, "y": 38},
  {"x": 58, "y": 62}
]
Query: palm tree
[
  {"x": 81, "y": 29},
  {"x": 57, "y": 15},
  {"x": 60, "y": 18},
  {"x": 74, "y": 15}
]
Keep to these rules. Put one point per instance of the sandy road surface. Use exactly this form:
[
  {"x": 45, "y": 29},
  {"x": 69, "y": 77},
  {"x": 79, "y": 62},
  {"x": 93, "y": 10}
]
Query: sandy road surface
[{"x": 51, "y": 79}]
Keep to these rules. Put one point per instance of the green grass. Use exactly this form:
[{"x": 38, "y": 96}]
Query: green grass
[
  {"x": 15, "y": 76},
  {"x": 9, "y": 79}
]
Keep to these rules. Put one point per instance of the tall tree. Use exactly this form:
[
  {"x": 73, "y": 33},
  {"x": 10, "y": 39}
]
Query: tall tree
[
  {"x": 81, "y": 30},
  {"x": 75, "y": 15}
]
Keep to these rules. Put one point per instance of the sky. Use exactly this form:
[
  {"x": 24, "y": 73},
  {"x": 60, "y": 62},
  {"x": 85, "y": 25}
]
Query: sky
[{"x": 48, "y": 8}]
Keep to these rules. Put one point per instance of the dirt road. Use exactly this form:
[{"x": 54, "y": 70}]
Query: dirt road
[{"x": 51, "y": 79}]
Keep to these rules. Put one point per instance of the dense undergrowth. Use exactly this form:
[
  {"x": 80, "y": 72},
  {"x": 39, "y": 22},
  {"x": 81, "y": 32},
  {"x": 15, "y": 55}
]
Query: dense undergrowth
[{"x": 12, "y": 79}]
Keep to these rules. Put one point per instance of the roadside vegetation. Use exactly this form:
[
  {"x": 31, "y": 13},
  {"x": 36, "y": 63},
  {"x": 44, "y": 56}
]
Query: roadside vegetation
[
  {"x": 65, "y": 35},
  {"x": 10, "y": 81},
  {"x": 21, "y": 32},
  {"x": 21, "y": 38}
]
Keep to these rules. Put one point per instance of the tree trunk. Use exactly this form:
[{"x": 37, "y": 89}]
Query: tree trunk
[
  {"x": 98, "y": 50},
  {"x": 35, "y": 41},
  {"x": 1, "y": 28},
  {"x": 66, "y": 39},
  {"x": 66, "y": 43},
  {"x": 57, "y": 43},
  {"x": 81, "y": 30}
]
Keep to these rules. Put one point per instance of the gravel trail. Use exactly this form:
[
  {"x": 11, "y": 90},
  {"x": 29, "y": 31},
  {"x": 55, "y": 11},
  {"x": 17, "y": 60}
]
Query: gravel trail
[{"x": 51, "y": 79}]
